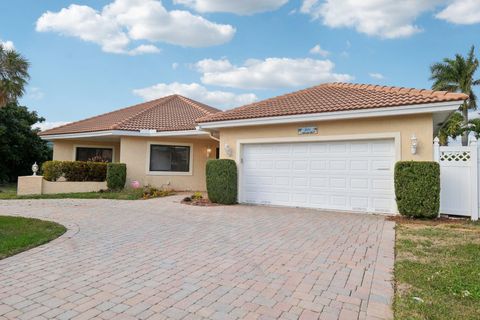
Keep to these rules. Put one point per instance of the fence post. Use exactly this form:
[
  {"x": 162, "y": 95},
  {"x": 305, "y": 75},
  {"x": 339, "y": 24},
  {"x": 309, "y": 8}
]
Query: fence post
[
  {"x": 474, "y": 175},
  {"x": 436, "y": 149},
  {"x": 436, "y": 156}
]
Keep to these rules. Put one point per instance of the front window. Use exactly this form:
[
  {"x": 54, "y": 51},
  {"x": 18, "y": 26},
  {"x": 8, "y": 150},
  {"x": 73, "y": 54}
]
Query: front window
[
  {"x": 94, "y": 154},
  {"x": 169, "y": 158}
]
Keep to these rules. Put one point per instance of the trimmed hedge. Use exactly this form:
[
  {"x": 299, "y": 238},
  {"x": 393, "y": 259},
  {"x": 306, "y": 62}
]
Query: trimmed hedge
[
  {"x": 116, "y": 176},
  {"x": 417, "y": 188},
  {"x": 74, "y": 170},
  {"x": 222, "y": 181}
]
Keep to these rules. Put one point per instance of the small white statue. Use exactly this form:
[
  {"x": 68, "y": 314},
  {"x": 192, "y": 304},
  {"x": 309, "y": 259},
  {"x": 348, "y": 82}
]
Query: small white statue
[{"x": 35, "y": 168}]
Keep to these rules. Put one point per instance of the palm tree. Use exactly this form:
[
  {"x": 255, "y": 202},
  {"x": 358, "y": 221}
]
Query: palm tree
[
  {"x": 453, "y": 128},
  {"x": 475, "y": 127},
  {"x": 13, "y": 75},
  {"x": 457, "y": 75}
]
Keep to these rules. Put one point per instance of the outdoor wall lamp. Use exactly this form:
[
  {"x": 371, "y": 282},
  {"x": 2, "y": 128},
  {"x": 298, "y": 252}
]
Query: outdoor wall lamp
[
  {"x": 413, "y": 144},
  {"x": 209, "y": 151}
]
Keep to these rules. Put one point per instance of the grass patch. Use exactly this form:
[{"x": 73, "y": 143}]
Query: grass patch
[
  {"x": 9, "y": 192},
  {"x": 437, "y": 270},
  {"x": 18, "y": 234}
]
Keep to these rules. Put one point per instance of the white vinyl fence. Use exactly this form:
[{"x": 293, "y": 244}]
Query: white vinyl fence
[{"x": 459, "y": 169}]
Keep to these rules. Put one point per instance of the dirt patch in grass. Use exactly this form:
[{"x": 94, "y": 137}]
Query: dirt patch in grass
[{"x": 437, "y": 269}]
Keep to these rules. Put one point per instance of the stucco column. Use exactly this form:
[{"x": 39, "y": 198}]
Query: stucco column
[{"x": 29, "y": 185}]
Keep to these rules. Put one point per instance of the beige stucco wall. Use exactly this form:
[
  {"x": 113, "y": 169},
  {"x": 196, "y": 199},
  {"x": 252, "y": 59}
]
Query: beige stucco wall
[
  {"x": 134, "y": 152},
  {"x": 29, "y": 185},
  {"x": 421, "y": 125},
  {"x": 65, "y": 149},
  {"x": 50, "y": 187}
]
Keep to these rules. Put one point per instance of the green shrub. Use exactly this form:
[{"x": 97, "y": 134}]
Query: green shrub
[
  {"x": 222, "y": 181},
  {"x": 417, "y": 188},
  {"x": 74, "y": 170},
  {"x": 116, "y": 176},
  {"x": 52, "y": 170}
]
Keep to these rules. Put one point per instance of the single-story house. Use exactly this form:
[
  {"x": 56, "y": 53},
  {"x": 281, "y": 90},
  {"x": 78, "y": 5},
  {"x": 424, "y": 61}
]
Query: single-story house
[
  {"x": 157, "y": 140},
  {"x": 332, "y": 146}
]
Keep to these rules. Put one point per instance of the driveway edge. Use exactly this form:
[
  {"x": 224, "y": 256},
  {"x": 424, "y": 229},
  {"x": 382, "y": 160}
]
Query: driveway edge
[{"x": 382, "y": 290}]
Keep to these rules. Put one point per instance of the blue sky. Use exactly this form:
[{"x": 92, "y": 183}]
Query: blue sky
[{"x": 90, "y": 57}]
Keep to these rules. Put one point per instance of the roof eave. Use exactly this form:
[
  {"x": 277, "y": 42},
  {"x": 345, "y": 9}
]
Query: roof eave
[
  {"x": 110, "y": 133},
  {"x": 337, "y": 115}
]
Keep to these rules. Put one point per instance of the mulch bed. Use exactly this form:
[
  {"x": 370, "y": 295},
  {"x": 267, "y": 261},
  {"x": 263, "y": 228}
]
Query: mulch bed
[{"x": 200, "y": 203}]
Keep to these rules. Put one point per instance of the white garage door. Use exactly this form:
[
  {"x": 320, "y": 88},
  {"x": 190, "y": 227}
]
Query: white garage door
[{"x": 342, "y": 175}]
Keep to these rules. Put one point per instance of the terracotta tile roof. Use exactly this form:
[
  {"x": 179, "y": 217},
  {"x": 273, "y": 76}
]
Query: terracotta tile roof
[
  {"x": 171, "y": 113},
  {"x": 332, "y": 97}
]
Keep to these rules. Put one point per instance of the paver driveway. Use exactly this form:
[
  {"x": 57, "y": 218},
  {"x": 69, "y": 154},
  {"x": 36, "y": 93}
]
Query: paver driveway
[{"x": 159, "y": 259}]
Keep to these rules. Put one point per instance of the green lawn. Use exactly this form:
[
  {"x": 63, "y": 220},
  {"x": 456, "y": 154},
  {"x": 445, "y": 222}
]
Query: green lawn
[
  {"x": 437, "y": 270},
  {"x": 10, "y": 192},
  {"x": 18, "y": 234}
]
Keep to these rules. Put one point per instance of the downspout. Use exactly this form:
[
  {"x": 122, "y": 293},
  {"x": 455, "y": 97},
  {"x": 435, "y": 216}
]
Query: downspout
[
  {"x": 212, "y": 137},
  {"x": 209, "y": 133}
]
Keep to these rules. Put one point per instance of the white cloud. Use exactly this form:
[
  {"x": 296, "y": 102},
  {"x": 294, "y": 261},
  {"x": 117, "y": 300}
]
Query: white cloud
[
  {"x": 318, "y": 50},
  {"x": 175, "y": 65},
  {"x": 242, "y": 7},
  {"x": 461, "y": 12},
  {"x": 382, "y": 18},
  {"x": 7, "y": 45},
  {"x": 210, "y": 65},
  {"x": 49, "y": 125},
  {"x": 269, "y": 73},
  {"x": 35, "y": 93},
  {"x": 124, "y": 21},
  {"x": 143, "y": 49},
  {"x": 195, "y": 91},
  {"x": 376, "y": 75}
]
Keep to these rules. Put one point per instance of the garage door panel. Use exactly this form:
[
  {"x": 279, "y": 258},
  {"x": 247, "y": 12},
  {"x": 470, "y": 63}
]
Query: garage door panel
[
  {"x": 282, "y": 181},
  {"x": 359, "y": 148},
  {"x": 382, "y": 147},
  {"x": 338, "y": 164},
  {"x": 382, "y": 165},
  {"x": 300, "y": 182},
  {"x": 265, "y": 164},
  {"x": 382, "y": 184},
  {"x": 359, "y": 184},
  {"x": 299, "y": 148},
  {"x": 282, "y": 164},
  {"x": 319, "y": 182},
  {"x": 319, "y": 148},
  {"x": 338, "y": 201},
  {"x": 338, "y": 182},
  {"x": 342, "y": 175},
  {"x": 359, "y": 203},
  {"x": 318, "y": 164},
  {"x": 300, "y": 165},
  {"x": 382, "y": 204}
]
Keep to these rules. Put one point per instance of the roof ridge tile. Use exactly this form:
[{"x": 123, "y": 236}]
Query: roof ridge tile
[{"x": 197, "y": 106}]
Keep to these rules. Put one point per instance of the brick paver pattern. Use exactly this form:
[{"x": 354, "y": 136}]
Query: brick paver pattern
[{"x": 159, "y": 259}]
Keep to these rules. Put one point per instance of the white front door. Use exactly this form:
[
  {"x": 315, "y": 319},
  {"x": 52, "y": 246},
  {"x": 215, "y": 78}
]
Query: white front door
[{"x": 338, "y": 175}]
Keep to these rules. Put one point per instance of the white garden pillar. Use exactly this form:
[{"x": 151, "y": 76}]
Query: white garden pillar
[
  {"x": 436, "y": 149},
  {"x": 474, "y": 179}
]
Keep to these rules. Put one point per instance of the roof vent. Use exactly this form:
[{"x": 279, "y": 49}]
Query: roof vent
[{"x": 148, "y": 131}]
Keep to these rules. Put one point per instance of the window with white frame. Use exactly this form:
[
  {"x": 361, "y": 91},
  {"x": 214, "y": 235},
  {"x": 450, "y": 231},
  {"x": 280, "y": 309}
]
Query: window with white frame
[{"x": 169, "y": 158}]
